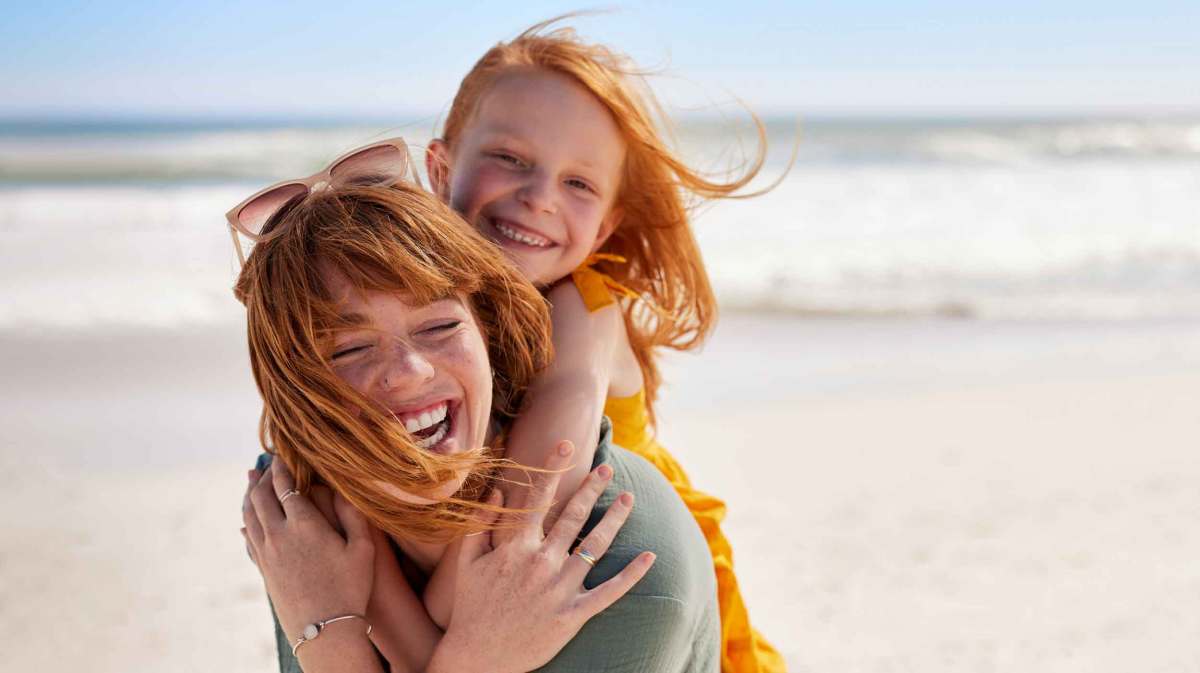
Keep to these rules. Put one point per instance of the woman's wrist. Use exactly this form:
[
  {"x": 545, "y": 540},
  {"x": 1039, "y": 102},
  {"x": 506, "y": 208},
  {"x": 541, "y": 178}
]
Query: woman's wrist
[
  {"x": 452, "y": 657},
  {"x": 341, "y": 646}
]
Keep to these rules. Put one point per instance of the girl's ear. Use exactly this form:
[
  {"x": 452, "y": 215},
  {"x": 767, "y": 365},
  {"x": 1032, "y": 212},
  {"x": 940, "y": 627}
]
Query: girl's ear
[
  {"x": 437, "y": 167},
  {"x": 608, "y": 226}
]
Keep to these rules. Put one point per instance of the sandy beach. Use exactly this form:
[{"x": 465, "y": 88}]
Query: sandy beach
[{"x": 908, "y": 495}]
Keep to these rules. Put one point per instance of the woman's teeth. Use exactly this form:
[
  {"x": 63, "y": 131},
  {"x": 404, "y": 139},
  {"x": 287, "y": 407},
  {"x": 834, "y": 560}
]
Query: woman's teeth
[
  {"x": 429, "y": 427},
  {"x": 521, "y": 237},
  {"x": 432, "y": 440},
  {"x": 425, "y": 419}
]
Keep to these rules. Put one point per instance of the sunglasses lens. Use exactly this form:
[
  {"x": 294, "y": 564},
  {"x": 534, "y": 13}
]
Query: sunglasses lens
[
  {"x": 254, "y": 215},
  {"x": 381, "y": 165}
]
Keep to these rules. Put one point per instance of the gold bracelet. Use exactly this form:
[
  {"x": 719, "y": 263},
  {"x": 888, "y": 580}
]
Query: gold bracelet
[{"x": 313, "y": 630}]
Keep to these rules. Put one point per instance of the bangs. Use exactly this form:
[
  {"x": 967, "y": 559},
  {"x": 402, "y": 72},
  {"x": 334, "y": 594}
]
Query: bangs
[{"x": 379, "y": 246}]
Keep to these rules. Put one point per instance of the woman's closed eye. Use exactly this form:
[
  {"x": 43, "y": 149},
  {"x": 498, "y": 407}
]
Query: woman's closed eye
[
  {"x": 443, "y": 327},
  {"x": 343, "y": 352}
]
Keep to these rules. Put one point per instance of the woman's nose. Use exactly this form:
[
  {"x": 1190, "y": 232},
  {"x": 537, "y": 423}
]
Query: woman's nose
[
  {"x": 405, "y": 369},
  {"x": 538, "y": 193}
]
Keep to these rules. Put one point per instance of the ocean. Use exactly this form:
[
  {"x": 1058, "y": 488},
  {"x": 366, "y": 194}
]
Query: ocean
[{"x": 122, "y": 222}]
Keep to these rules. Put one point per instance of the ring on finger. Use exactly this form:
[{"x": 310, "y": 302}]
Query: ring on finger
[
  {"x": 287, "y": 494},
  {"x": 585, "y": 555}
]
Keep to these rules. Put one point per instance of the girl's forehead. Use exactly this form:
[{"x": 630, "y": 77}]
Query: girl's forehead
[{"x": 528, "y": 98}]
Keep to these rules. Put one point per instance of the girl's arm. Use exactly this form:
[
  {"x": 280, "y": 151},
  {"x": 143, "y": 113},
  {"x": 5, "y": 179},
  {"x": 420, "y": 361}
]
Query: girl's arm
[
  {"x": 566, "y": 401},
  {"x": 517, "y": 605},
  {"x": 403, "y": 631}
]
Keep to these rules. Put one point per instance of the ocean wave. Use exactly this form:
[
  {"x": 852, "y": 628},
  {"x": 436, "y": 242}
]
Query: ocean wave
[{"x": 165, "y": 153}]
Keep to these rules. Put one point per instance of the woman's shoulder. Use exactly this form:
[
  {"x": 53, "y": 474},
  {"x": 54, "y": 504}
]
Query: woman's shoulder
[{"x": 669, "y": 620}]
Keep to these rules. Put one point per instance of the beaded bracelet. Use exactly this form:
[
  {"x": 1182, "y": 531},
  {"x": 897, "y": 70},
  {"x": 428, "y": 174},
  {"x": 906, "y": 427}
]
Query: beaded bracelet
[{"x": 313, "y": 630}]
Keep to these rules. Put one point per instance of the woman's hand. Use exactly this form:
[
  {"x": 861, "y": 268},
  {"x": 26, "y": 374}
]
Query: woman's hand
[
  {"x": 517, "y": 605},
  {"x": 312, "y": 573}
]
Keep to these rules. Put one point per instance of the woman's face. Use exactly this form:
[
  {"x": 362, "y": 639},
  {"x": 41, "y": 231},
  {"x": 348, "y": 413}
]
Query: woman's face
[
  {"x": 427, "y": 365},
  {"x": 536, "y": 170}
]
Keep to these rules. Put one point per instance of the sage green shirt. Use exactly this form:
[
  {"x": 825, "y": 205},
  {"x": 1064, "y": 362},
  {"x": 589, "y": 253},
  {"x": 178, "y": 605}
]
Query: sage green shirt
[{"x": 668, "y": 623}]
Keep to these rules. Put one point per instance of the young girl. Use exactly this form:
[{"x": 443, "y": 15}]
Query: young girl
[{"x": 551, "y": 151}]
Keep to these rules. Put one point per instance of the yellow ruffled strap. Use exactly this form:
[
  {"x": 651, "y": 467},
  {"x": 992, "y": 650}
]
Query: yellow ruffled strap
[{"x": 597, "y": 288}]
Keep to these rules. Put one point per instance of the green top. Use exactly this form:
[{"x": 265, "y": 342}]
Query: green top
[{"x": 668, "y": 622}]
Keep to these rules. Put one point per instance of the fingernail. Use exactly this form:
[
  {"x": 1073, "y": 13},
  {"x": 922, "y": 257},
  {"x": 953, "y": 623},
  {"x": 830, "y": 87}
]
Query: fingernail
[
  {"x": 564, "y": 448},
  {"x": 626, "y": 499},
  {"x": 648, "y": 557},
  {"x": 604, "y": 472}
]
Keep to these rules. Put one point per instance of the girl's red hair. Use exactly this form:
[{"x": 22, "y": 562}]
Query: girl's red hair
[{"x": 658, "y": 190}]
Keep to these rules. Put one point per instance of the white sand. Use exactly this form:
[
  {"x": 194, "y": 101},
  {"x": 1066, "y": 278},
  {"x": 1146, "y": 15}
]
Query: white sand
[{"x": 904, "y": 496}]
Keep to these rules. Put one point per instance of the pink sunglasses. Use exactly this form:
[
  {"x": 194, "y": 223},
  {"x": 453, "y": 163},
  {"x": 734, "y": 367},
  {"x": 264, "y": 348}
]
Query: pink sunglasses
[{"x": 379, "y": 164}]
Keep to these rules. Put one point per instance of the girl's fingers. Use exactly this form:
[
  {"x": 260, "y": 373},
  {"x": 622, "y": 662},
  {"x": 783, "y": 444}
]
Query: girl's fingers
[
  {"x": 576, "y": 512},
  {"x": 475, "y": 545},
  {"x": 597, "y": 541},
  {"x": 597, "y": 600}
]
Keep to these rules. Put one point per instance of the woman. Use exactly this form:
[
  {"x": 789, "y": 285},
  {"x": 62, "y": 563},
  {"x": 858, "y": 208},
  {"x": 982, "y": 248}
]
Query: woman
[{"x": 369, "y": 306}]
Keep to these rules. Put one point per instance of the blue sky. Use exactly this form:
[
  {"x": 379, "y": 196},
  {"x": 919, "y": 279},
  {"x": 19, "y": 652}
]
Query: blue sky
[{"x": 346, "y": 58}]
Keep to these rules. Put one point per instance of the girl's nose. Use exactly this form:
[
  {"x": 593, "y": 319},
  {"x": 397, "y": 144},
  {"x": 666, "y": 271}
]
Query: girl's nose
[
  {"x": 538, "y": 194},
  {"x": 406, "y": 370}
]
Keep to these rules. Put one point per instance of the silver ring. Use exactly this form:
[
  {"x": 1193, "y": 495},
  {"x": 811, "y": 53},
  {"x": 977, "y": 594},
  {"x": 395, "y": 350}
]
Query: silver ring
[
  {"x": 586, "y": 556},
  {"x": 287, "y": 494}
]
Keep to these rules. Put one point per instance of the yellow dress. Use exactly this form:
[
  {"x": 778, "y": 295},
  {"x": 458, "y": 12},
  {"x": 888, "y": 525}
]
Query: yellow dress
[{"x": 743, "y": 649}]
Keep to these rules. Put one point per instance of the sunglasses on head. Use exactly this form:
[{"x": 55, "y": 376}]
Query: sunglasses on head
[{"x": 379, "y": 164}]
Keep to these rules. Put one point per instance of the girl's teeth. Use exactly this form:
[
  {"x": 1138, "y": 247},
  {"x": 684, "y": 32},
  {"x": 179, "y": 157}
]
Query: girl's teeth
[{"x": 515, "y": 235}]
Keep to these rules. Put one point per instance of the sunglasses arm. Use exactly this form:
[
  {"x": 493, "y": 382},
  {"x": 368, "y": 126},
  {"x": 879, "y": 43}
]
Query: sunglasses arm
[{"x": 237, "y": 245}]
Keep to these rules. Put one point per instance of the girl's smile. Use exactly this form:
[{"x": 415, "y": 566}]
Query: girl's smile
[{"x": 537, "y": 170}]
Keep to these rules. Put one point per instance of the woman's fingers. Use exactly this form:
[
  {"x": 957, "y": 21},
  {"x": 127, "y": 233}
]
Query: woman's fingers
[
  {"x": 542, "y": 488},
  {"x": 577, "y": 510},
  {"x": 597, "y": 541},
  {"x": 322, "y": 498},
  {"x": 475, "y": 545},
  {"x": 351, "y": 521},
  {"x": 293, "y": 504},
  {"x": 264, "y": 503},
  {"x": 597, "y": 600}
]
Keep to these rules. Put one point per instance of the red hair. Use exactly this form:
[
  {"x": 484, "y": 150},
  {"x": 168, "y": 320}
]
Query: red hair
[{"x": 657, "y": 194}]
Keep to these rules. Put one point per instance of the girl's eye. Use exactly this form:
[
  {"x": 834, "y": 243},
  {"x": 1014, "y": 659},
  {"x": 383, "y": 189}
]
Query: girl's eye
[
  {"x": 507, "y": 158},
  {"x": 349, "y": 350},
  {"x": 580, "y": 184},
  {"x": 444, "y": 327}
]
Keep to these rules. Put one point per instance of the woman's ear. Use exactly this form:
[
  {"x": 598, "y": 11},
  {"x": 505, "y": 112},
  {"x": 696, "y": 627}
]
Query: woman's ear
[
  {"x": 437, "y": 167},
  {"x": 608, "y": 226}
]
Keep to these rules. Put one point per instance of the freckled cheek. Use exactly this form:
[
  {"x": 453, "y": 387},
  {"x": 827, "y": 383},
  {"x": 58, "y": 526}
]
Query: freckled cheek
[
  {"x": 475, "y": 375},
  {"x": 475, "y": 187}
]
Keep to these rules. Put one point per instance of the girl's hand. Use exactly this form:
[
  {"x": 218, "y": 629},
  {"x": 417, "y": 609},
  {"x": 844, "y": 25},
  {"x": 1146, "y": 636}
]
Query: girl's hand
[
  {"x": 523, "y": 601},
  {"x": 312, "y": 573}
]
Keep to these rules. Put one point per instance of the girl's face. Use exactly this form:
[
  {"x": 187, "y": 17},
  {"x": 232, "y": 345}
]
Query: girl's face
[
  {"x": 536, "y": 170},
  {"x": 428, "y": 365}
]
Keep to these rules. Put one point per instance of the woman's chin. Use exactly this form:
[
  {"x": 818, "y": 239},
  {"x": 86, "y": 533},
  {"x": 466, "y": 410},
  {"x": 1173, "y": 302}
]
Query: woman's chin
[{"x": 429, "y": 497}]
